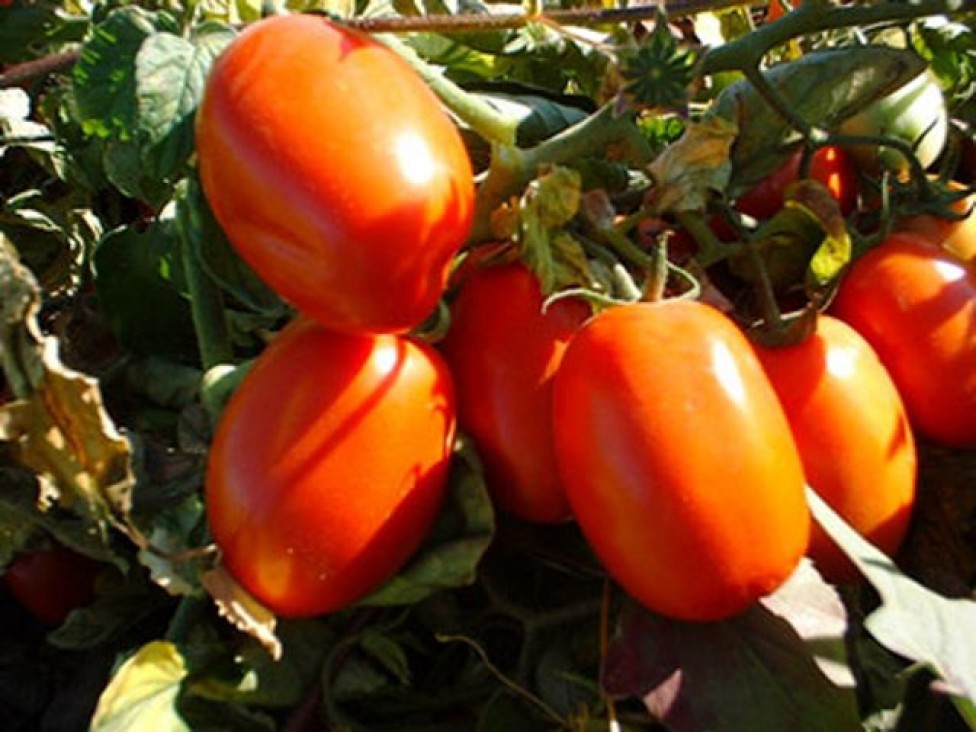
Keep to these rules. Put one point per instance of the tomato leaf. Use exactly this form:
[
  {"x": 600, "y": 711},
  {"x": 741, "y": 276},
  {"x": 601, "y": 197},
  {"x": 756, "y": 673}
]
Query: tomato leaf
[
  {"x": 143, "y": 692},
  {"x": 460, "y": 536},
  {"x": 751, "y": 672},
  {"x": 912, "y": 621},
  {"x": 693, "y": 168},
  {"x": 823, "y": 87},
  {"x": 59, "y": 429},
  {"x": 170, "y": 74},
  {"x": 241, "y": 610},
  {"x": 138, "y": 276}
]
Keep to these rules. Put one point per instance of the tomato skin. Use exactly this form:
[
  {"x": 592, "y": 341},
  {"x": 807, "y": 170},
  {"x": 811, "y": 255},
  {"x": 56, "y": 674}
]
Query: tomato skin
[
  {"x": 692, "y": 524},
  {"x": 954, "y": 235},
  {"x": 916, "y": 305},
  {"x": 830, "y": 165},
  {"x": 334, "y": 172},
  {"x": 328, "y": 466},
  {"x": 503, "y": 352},
  {"x": 850, "y": 425},
  {"x": 52, "y": 582}
]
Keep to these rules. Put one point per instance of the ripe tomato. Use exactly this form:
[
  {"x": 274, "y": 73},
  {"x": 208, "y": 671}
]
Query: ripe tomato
[
  {"x": 503, "y": 351},
  {"x": 915, "y": 113},
  {"x": 335, "y": 172},
  {"x": 50, "y": 583},
  {"x": 678, "y": 460},
  {"x": 916, "y": 305},
  {"x": 954, "y": 235},
  {"x": 832, "y": 166},
  {"x": 855, "y": 442},
  {"x": 329, "y": 465}
]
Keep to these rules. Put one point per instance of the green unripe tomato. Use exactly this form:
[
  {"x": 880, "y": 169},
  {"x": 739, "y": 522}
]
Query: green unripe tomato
[{"x": 915, "y": 113}]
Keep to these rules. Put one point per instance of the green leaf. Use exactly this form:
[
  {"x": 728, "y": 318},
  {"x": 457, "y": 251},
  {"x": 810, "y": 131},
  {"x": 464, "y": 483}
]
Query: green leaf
[
  {"x": 24, "y": 29},
  {"x": 170, "y": 74},
  {"x": 912, "y": 621},
  {"x": 105, "y": 75},
  {"x": 750, "y": 672},
  {"x": 143, "y": 692},
  {"x": 450, "y": 556},
  {"x": 823, "y": 87},
  {"x": 137, "y": 279}
]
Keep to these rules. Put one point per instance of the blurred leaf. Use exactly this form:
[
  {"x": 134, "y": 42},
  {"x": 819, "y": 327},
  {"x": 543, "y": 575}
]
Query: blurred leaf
[
  {"x": 138, "y": 277},
  {"x": 24, "y": 29},
  {"x": 950, "y": 48},
  {"x": 240, "y": 609},
  {"x": 174, "y": 532},
  {"x": 462, "y": 533},
  {"x": 823, "y": 87},
  {"x": 143, "y": 692},
  {"x": 692, "y": 169},
  {"x": 912, "y": 621}
]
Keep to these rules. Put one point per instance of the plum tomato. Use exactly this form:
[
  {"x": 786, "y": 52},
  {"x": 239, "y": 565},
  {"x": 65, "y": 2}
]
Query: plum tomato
[
  {"x": 955, "y": 234},
  {"x": 850, "y": 425},
  {"x": 678, "y": 459},
  {"x": 335, "y": 172},
  {"x": 52, "y": 582},
  {"x": 503, "y": 351},
  {"x": 328, "y": 465},
  {"x": 916, "y": 305}
]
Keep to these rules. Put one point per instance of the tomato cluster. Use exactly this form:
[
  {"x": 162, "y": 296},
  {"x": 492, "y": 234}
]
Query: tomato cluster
[
  {"x": 330, "y": 461},
  {"x": 682, "y": 449}
]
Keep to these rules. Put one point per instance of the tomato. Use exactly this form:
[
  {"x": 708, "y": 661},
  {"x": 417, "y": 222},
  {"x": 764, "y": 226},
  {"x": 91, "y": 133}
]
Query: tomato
[
  {"x": 503, "y": 351},
  {"x": 916, "y": 113},
  {"x": 916, "y": 305},
  {"x": 853, "y": 434},
  {"x": 678, "y": 460},
  {"x": 335, "y": 172},
  {"x": 50, "y": 583},
  {"x": 956, "y": 235},
  {"x": 832, "y": 166},
  {"x": 328, "y": 466}
]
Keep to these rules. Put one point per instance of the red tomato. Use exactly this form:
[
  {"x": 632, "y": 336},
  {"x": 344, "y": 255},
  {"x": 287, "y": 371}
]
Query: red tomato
[
  {"x": 855, "y": 442},
  {"x": 956, "y": 235},
  {"x": 831, "y": 166},
  {"x": 335, "y": 172},
  {"x": 329, "y": 465},
  {"x": 916, "y": 305},
  {"x": 50, "y": 583},
  {"x": 503, "y": 352},
  {"x": 678, "y": 460}
]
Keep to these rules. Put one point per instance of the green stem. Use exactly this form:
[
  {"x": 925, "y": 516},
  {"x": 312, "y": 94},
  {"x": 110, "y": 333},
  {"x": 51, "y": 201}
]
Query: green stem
[
  {"x": 474, "y": 111},
  {"x": 710, "y": 249},
  {"x": 207, "y": 306},
  {"x": 807, "y": 18}
]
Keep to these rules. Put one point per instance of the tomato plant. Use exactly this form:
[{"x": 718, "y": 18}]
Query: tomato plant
[
  {"x": 504, "y": 350},
  {"x": 328, "y": 466},
  {"x": 695, "y": 529},
  {"x": 916, "y": 305},
  {"x": 829, "y": 165},
  {"x": 52, "y": 582},
  {"x": 916, "y": 114},
  {"x": 350, "y": 194},
  {"x": 850, "y": 426}
]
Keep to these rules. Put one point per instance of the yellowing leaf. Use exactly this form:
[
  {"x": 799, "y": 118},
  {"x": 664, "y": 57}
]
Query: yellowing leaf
[
  {"x": 241, "y": 610},
  {"x": 693, "y": 167},
  {"x": 142, "y": 694},
  {"x": 59, "y": 427}
]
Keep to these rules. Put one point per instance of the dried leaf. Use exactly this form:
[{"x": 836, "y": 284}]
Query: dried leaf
[
  {"x": 693, "y": 168},
  {"x": 241, "y": 610}
]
